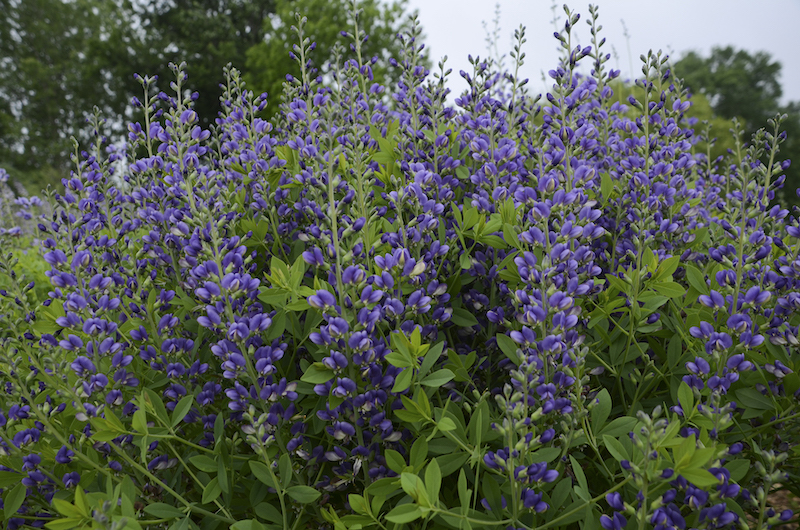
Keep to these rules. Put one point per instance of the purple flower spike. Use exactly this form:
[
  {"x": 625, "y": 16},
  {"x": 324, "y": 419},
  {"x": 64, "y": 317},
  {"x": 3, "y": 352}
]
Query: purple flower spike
[
  {"x": 82, "y": 366},
  {"x": 748, "y": 340},
  {"x": 71, "y": 343},
  {"x": 756, "y": 296},
  {"x": 699, "y": 366},
  {"x": 322, "y": 300},
  {"x": 64, "y": 455},
  {"x": 71, "y": 479},
  {"x": 738, "y": 363},
  {"x": 704, "y": 331},
  {"x": 615, "y": 501},
  {"x": 338, "y": 327},
  {"x": 715, "y": 300},
  {"x": 30, "y": 462},
  {"x": 616, "y": 523},
  {"x": 532, "y": 500},
  {"x": 779, "y": 370}
]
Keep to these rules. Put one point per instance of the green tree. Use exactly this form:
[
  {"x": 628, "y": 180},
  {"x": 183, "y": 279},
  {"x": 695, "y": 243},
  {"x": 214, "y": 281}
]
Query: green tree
[
  {"x": 269, "y": 62},
  {"x": 746, "y": 86},
  {"x": 736, "y": 83},
  {"x": 206, "y": 34},
  {"x": 52, "y": 74},
  {"x": 59, "y": 58}
]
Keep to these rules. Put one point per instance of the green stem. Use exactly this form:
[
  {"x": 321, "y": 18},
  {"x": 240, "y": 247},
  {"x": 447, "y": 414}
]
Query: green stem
[{"x": 191, "y": 506}]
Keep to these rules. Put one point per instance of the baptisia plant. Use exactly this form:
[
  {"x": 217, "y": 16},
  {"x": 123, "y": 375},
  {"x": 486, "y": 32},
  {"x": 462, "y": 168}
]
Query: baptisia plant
[{"x": 379, "y": 310}]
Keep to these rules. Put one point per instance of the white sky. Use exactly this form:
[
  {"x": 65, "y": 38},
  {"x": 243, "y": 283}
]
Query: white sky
[{"x": 454, "y": 28}]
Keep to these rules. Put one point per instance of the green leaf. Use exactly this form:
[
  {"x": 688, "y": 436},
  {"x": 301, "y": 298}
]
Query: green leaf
[
  {"x": 8, "y": 478},
  {"x": 479, "y": 423},
  {"x": 155, "y": 401},
  {"x": 606, "y": 186},
  {"x": 395, "y": 461},
  {"x": 614, "y": 447},
  {"x": 702, "y": 456},
  {"x": 66, "y": 524},
  {"x": 100, "y": 436},
  {"x": 285, "y": 468},
  {"x": 464, "y": 493},
  {"x": 317, "y": 374},
  {"x": 13, "y": 500},
  {"x": 667, "y": 267},
  {"x": 204, "y": 463},
  {"x": 182, "y": 409},
  {"x": 211, "y": 491},
  {"x": 686, "y": 398},
  {"x": 674, "y": 350},
  {"x": 358, "y": 504},
  {"x": 222, "y": 476},
  {"x": 619, "y": 426},
  {"x": 449, "y": 464},
  {"x": 298, "y": 305},
  {"x": 405, "y": 513},
  {"x": 446, "y": 424},
  {"x": 65, "y": 508},
  {"x": 303, "y": 494},
  {"x": 163, "y": 510},
  {"x": 462, "y": 173},
  {"x": 247, "y": 524},
  {"x": 579, "y": 474},
  {"x": 696, "y": 279},
  {"x": 493, "y": 241},
  {"x": 508, "y": 347},
  {"x": 560, "y": 492},
  {"x": 139, "y": 422},
  {"x": 752, "y": 398},
  {"x": 649, "y": 259},
  {"x": 422, "y": 402},
  {"x": 398, "y": 360},
  {"x": 432, "y": 355},
  {"x": 601, "y": 410},
  {"x": 491, "y": 491},
  {"x": 617, "y": 283},
  {"x": 261, "y": 472},
  {"x": 410, "y": 416},
  {"x": 463, "y": 318},
  {"x": 547, "y": 454},
  {"x": 791, "y": 383},
  {"x": 669, "y": 289},
  {"x": 419, "y": 453},
  {"x": 510, "y": 236},
  {"x": 699, "y": 477},
  {"x": 269, "y": 512},
  {"x": 403, "y": 380},
  {"x": 433, "y": 480},
  {"x": 738, "y": 469},
  {"x": 413, "y": 487},
  {"x": 683, "y": 453},
  {"x": 438, "y": 378}
]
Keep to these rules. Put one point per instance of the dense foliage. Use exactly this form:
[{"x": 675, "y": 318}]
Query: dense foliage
[
  {"x": 62, "y": 57},
  {"x": 744, "y": 85},
  {"x": 382, "y": 311}
]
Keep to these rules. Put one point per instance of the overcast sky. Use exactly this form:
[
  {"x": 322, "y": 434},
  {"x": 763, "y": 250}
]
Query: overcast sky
[{"x": 454, "y": 28}]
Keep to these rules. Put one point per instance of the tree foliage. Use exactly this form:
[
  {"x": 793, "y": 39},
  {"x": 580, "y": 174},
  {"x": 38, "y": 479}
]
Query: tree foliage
[
  {"x": 60, "y": 58},
  {"x": 736, "y": 83},
  {"x": 269, "y": 62},
  {"x": 743, "y": 85},
  {"x": 206, "y": 34},
  {"x": 56, "y": 59}
]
